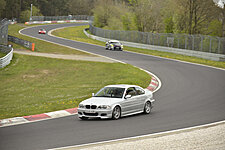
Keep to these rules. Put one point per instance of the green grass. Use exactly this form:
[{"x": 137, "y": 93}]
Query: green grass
[
  {"x": 41, "y": 46},
  {"x": 2, "y": 54},
  {"x": 33, "y": 85},
  {"x": 76, "y": 33}
]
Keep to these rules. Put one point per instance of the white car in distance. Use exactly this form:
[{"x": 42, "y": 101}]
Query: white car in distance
[
  {"x": 113, "y": 45},
  {"x": 115, "y": 101}
]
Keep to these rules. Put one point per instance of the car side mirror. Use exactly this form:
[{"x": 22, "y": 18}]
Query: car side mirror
[
  {"x": 128, "y": 96},
  {"x": 93, "y": 94}
]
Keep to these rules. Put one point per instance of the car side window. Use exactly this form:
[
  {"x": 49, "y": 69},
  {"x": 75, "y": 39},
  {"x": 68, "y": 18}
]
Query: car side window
[
  {"x": 139, "y": 91},
  {"x": 131, "y": 91}
]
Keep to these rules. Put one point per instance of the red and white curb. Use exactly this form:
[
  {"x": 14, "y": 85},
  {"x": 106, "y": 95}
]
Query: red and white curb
[
  {"x": 154, "y": 84},
  {"x": 31, "y": 118},
  {"x": 59, "y": 21}
]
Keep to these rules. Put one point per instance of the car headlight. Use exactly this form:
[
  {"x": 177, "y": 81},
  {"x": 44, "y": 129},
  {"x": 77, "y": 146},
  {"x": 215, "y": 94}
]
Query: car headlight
[
  {"x": 81, "y": 106},
  {"x": 104, "y": 107}
]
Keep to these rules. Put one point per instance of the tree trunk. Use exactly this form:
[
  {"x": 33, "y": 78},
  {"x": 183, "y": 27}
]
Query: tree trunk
[
  {"x": 190, "y": 16},
  {"x": 223, "y": 22}
]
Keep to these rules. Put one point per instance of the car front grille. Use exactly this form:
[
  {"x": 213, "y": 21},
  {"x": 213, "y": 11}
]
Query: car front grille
[
  {"x": 91, "y": 106},
  {"x": 90, "y": 114}
]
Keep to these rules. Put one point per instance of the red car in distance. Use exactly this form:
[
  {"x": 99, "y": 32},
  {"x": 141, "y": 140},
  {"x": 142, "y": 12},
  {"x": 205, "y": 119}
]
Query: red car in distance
[{"x": 42, "y": 31}]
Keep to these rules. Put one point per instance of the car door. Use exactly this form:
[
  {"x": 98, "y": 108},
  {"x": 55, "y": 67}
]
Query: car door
[
  {"x": 141, "y": 98},
  {"x": 130, "y": 105}
]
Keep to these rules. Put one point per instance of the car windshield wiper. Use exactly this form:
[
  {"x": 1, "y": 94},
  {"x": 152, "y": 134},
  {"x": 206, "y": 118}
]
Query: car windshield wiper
[{"x": 101, "y": 96}]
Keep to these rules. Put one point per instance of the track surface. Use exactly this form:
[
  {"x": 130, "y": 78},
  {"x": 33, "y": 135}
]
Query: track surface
[{"x": 190, "y": 95}]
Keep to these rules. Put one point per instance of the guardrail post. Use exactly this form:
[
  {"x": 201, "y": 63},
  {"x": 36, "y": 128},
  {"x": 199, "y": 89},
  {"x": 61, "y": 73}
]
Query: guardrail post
[
  {"x": 218, "y": 45},
  {"x": 193, "y": 42},
  {"x": 210, "y": 44},
  {"x": 185, "y": 42},
  {"x": 201, "y": 42}
]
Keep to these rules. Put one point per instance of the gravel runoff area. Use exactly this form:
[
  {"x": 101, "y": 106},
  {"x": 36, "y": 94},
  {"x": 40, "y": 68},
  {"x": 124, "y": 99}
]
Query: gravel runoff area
[
  {"x": 210, "y": 137},
  {"x": 69, "y": 57}
]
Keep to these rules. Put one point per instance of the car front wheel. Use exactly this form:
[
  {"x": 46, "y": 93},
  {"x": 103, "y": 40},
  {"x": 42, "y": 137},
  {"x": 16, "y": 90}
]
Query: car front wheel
[
  {"x": 147, "y": 108},
  {"x": 116, "y": 113}
]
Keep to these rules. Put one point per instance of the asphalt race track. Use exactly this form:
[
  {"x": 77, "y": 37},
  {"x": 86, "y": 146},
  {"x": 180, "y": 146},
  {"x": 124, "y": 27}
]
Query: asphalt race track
[{"x": 190, "y": 95}]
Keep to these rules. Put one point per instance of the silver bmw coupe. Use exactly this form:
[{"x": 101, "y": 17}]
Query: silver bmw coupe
[{"x": 115, "y": 101}]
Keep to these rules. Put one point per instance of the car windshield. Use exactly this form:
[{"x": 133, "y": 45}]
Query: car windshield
[
  {"x": 113, "y": 92},
  {"x": 117, "y": 43}
]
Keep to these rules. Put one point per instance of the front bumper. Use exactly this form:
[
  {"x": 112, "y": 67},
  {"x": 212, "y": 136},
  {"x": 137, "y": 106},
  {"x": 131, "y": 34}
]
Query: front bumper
[
  {"x": 118, "y": 47},
  {"x": 94, "y": 113}
]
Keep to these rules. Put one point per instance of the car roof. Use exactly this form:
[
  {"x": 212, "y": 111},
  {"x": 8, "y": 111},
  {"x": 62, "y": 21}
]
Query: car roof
[
  {"x": 114, "y": 41},
  {"x": 122, "y": 85}
]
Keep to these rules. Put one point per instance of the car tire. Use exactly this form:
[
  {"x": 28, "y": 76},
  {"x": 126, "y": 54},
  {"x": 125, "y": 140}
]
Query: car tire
[
  {"x": 147, "y": 108},
  {"x": 83, "y": 118},
  {"x": 116, "y": 113}
]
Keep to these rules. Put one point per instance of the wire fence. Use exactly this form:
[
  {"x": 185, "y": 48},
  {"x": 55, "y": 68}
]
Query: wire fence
[
  {"x": 19, "y": 41},
  {"x": 201, "y": 43},
  {"x": 4, "y": 32},
  {"x": 55, "y": 18}
]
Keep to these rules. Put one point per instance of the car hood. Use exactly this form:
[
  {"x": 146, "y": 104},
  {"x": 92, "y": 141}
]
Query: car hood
[{"x": 101, "y": 101}]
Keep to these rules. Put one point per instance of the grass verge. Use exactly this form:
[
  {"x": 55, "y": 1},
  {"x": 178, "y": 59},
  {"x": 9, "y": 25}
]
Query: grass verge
[
  {"x": 76, "y": 33},
  {"x": 33, "y": 85}
]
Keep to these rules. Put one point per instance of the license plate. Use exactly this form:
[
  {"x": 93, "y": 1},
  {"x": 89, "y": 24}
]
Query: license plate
[{"x": 90, "y": 111}]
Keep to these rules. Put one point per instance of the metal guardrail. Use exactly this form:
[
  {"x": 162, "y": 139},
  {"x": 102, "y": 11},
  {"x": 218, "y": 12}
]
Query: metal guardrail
[
  {"x": 19, "y": 41},
  {"x": 4, "y": 61},
  {"x": 200, "y": 43}
]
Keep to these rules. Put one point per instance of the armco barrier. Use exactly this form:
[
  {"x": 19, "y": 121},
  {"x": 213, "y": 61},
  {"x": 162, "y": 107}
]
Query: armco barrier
[
  {"x": 19, "y": 41},
  {"x": 205, "y": 55},
  {"x": 4, "y": 61}
]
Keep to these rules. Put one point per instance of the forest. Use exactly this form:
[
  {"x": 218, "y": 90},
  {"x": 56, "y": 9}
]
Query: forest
[{"x": 157, "y": 16}]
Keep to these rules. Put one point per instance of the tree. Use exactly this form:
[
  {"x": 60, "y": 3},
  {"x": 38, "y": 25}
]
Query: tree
[
  {"x": 2, "y": 7},
  {"x": 25, "y": 15},
  {"x": 169, "y": 24},
  {"x": 148, "y": 14},
  {"x": 193, "y": 16},
  {"x": 80, "y": 7},
  {"x": 102, "y": 12},
  {"x": 215, "y": 27}
]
